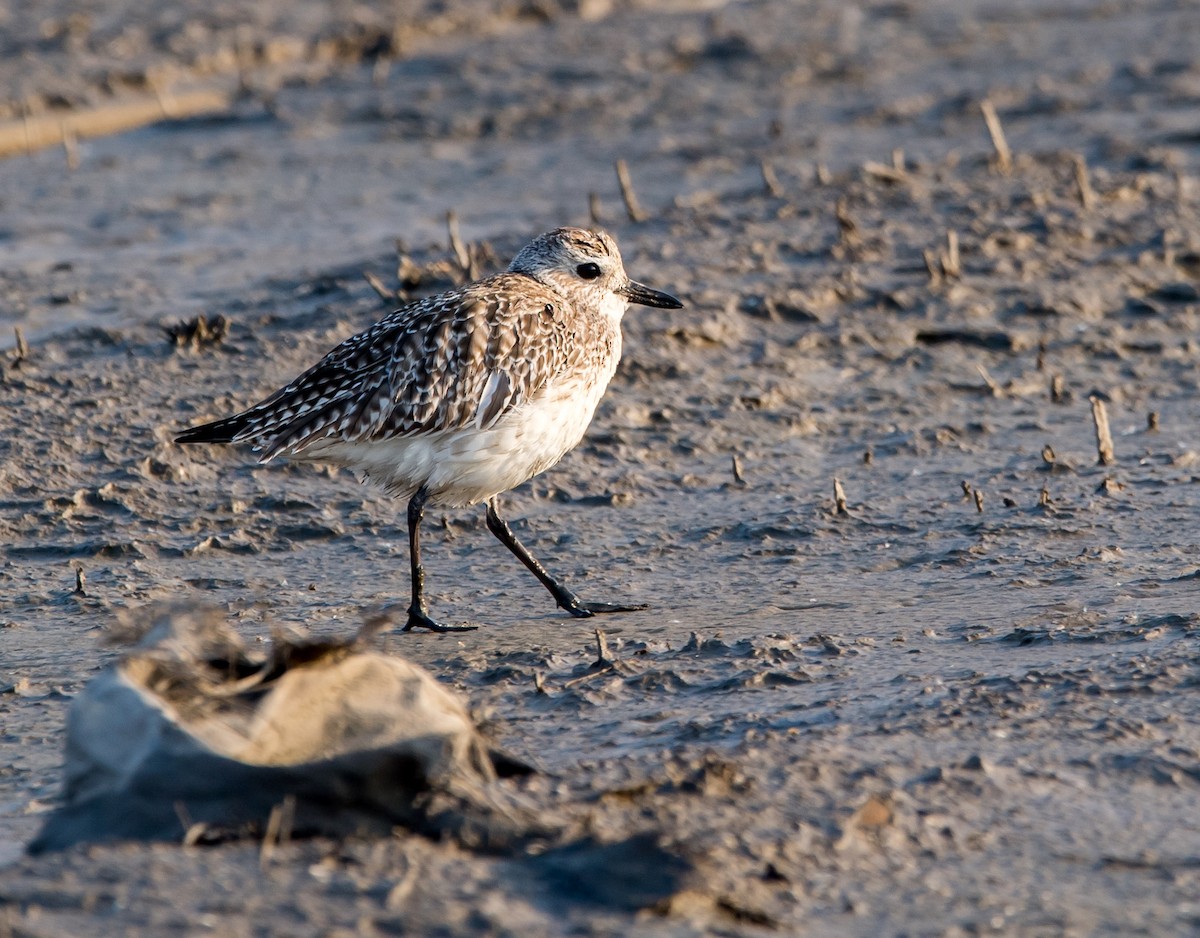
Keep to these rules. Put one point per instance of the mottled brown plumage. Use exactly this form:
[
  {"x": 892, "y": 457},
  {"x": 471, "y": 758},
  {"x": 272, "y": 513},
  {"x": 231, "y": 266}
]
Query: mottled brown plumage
[{"x": 461, "y": 396}]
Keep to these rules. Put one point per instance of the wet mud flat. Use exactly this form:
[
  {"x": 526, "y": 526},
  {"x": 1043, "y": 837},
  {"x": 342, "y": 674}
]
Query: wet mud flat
[{"x": 963, "y": 703}]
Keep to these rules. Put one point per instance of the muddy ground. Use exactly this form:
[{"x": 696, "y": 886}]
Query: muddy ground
[{"x": 965, "y": 705}]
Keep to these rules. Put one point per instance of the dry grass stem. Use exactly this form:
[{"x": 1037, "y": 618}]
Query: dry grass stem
[
  {"x": 1087, "y": 196},
  {"x": 993, "y": 388},
  {"x": 602, "y": 654},
  {"x": 996, "y": 131},
  {"x": 70, "y": 144},
  {"x": 770, "y": 180},
  {"x": 633, "y": 208},
  {"x": 1104, "y": 443},
  {"x": 932, "y": 266},
  {"x": 951, "y": 259},
  {"x": 461, "y": 254},
  {"x": 884, "y": 173},
  {"x": 22, "y": 353},
  {"x": 389, "y": 297}
]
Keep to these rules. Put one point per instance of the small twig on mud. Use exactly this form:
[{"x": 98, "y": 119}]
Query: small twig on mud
[
  {"x": 1104, "y": 443},
  {"x": 932, "y": 266},
  {"x": 966, "y": 487},
  {"x": 1086, "y": 196},
  {"x": 1044, "y": 500},
  {"x": 633, "y": 208},
  {"x": 737, "y": 470},
  {"x": 951, "y": 260},
  {"x": 398, "y": 895},
  {"x": 595, "y": 669},
  {"x": 1152, "y": 422},
  {"x": 1040, "y": 364},
  {"x": 388, "y": 296},
  {"x": 193, "y": 833},
  {"x": 992, "y": 386},
  {"x": 70, "y": 144},
  {"x": 992, "y": 119},
  {"x": 839, "y": 498},
  {"x": 279, "y": 829},
  {"x": 268, "y": 846},
  {"x": 594, "y": 211},
  {"x": 898, "y": 160},
  {"x": 480, "y": 253},
  {"x": 884, "y": 173},
  {"x": 602, "y": 656},
  {"x": 979, "y": 500},
  {"x": 461, "y": 254},
  {"x": 847, "y": 228},
  {"x": 770, "y": 180},
  {"x": 604, "y": 663},
  {"x": 22, "y": 346},
  {"x": 288, "y": 821}
]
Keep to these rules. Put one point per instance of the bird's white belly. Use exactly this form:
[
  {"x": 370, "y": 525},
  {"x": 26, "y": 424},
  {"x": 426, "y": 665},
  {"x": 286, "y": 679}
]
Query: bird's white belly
[{"x": 468, "y": 465}]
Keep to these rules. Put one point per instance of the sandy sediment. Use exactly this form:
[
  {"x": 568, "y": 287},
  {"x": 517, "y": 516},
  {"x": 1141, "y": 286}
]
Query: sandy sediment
[{"x": 957, "y": 698}]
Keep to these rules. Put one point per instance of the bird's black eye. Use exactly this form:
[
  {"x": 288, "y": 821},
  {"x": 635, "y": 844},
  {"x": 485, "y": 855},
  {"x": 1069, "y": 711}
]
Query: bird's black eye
[{"x": 588, "y": 271}]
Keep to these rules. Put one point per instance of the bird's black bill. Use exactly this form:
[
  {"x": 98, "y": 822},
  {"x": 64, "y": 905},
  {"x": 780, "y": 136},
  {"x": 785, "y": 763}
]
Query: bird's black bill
[{"x": 644, "y": 296}]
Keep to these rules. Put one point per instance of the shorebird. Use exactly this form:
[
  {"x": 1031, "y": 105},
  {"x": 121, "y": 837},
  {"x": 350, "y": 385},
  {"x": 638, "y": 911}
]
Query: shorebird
[{"x": 456, "y": 398}]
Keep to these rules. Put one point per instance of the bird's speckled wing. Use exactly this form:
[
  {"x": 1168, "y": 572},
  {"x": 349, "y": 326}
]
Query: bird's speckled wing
[{"x": 460, "y": 358}]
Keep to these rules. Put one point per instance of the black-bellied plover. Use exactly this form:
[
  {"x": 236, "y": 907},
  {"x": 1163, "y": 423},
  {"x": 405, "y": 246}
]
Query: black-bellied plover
[{"x": 459, "y": 397}]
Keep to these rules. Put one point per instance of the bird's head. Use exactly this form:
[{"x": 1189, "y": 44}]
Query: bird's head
[{"x": 585, "y": 266}]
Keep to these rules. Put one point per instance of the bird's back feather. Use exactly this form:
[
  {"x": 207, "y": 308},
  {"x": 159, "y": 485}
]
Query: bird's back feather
[{"x": 466, "y": 356}]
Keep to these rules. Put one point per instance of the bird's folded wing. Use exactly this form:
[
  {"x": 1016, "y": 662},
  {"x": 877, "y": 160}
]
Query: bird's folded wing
[{"x": 459, "y": 359}]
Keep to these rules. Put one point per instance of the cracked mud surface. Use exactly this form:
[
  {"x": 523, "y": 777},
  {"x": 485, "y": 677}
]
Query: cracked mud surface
[{"x": 931, "y": 714}]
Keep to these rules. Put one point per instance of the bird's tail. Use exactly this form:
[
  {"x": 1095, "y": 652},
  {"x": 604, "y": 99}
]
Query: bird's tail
[{"x": 230, "y": 430}]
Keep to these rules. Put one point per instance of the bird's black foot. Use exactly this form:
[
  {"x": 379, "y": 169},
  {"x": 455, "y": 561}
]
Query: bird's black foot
[
  {"x": 419, "y": 619},
  {"x": 563, "y": 596},
  {"x": 581, "y": 610}
]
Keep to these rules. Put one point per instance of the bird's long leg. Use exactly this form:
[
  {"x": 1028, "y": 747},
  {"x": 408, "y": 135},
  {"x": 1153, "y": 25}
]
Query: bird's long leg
[
  {"x": 563, "y": 596},
  {"x": 418, "y": 615}
]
